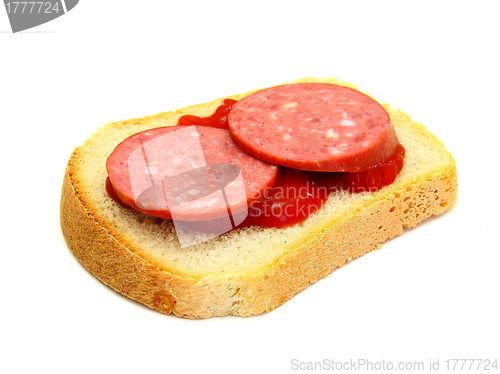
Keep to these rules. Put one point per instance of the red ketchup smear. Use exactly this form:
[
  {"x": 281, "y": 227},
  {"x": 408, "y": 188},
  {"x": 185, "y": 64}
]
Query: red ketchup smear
[
  {"x": 297, "y": 193},
  {"x": 218, "y": 119}
]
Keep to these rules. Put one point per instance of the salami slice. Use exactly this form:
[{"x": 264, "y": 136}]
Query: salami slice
[
  {"x": 313, "y": 126},
  {"x": 188, "y": 173}
]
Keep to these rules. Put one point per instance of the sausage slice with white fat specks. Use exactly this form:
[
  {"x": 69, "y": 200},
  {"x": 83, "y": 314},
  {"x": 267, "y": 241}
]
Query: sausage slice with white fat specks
[
  {"x": 313, "y": 126},
  {"x": 188, "y": 173}
]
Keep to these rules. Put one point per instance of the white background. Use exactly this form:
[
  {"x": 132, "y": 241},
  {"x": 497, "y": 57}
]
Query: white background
[{"x": 431, "y": 293}]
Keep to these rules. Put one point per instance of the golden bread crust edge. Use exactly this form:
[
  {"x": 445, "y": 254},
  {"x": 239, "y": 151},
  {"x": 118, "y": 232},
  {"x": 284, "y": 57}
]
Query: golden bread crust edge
[
  {"x": 354, "y": 237},
  {"x": 101, "y": 252},
  {"x": 120, "y": 268}
]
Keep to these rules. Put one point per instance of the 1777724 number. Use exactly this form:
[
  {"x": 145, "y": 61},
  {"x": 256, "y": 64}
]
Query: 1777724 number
[{"x": 32, "y": 7}]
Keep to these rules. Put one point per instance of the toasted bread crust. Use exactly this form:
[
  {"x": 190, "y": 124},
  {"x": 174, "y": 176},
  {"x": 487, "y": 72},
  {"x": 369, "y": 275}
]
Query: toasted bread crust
[
  {"x": 102, "y": 250},
  {"x": 95, "y": 246}
]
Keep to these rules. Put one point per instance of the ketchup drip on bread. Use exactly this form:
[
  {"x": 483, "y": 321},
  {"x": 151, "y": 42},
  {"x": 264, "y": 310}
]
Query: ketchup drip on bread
[
  {"x": 218, "y": 119},
  {"x": 297, "y": 193}
]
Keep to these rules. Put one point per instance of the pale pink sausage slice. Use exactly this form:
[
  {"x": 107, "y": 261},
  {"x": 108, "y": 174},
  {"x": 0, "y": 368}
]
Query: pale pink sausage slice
[
  {"x": 188, "y": 173},
  {"x": 313, "y": 126}
]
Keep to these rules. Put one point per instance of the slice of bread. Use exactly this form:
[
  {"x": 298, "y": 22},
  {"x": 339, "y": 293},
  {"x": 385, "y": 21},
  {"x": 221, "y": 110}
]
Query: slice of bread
[{"x": 250, "y": 270}]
